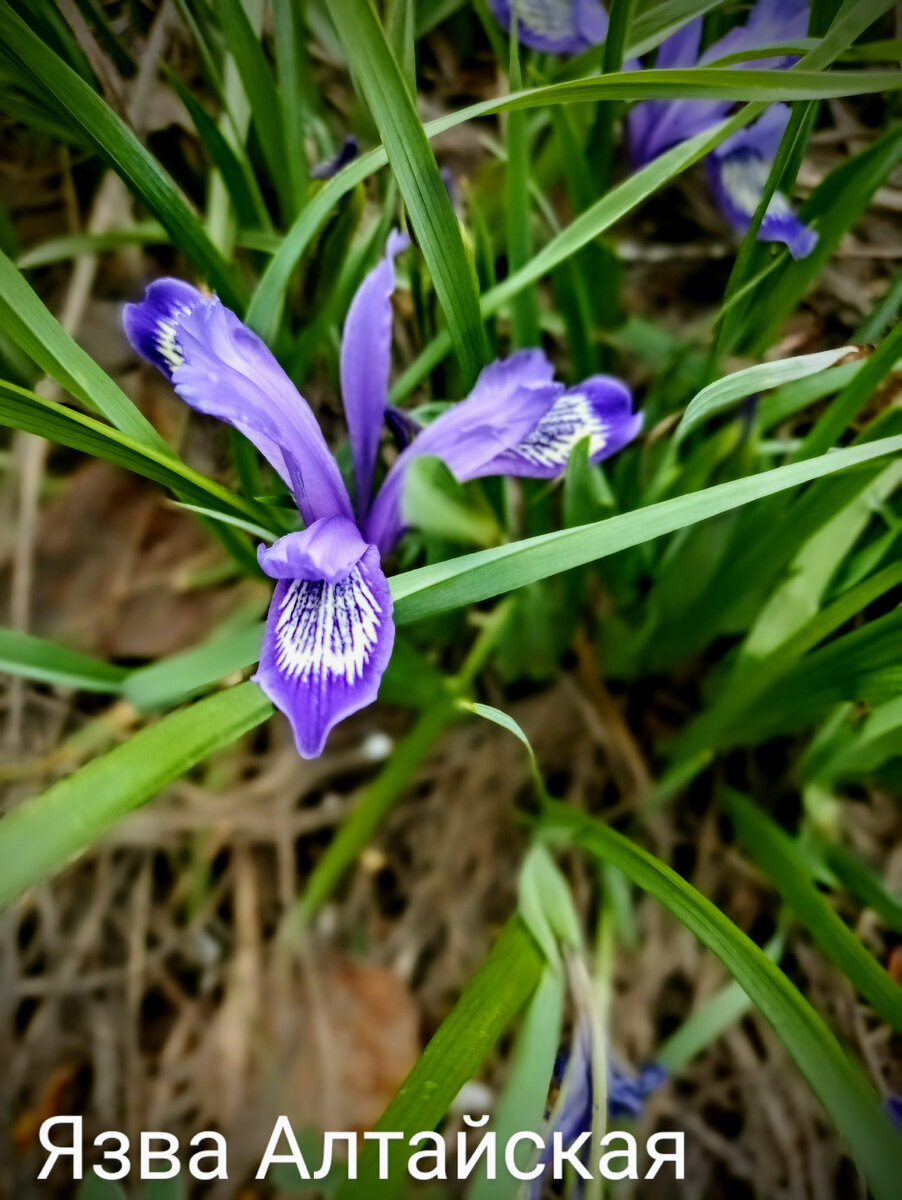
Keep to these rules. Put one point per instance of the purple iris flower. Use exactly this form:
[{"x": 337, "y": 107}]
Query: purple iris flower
[
  {"x": 627, "y": 1092},
  {"x": 329, "y": 632},
  {"x": 555, "y": 26},
  {"x": 739, "y": 167}
]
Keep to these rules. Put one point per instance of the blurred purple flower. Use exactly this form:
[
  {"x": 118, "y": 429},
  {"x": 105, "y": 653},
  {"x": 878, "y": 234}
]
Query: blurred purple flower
[
  {"x": 893, "y": 1106},
  {"x": 329, "y": 632},
  {"x": 627, "y": 1092},
  {"x": 555, "y": 26},
  {"x": 739, "y": 167},
  {"x": 346, "y": 154}
]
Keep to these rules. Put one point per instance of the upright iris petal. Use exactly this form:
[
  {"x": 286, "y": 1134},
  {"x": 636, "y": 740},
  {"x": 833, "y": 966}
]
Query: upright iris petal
[
  {"x": 555, "y": 26},
  {"x": 365, "y": 366},
  {"x": 738, "y": 170}
]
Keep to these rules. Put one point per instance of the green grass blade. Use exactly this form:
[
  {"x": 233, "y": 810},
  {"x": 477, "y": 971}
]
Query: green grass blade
[
  {"x": 21, "y": 409},
  {"x": 725, "y": 717},
  {"x": 847, "y": 1097},
  {"x": 495, "y": 994},
  {"x": 173, "y": 679},
  {"x": 782, "y": 173},
  {"x": 60, "y": 249},
  {"x": 705, "y": 83},
  {"x": 34, "y": 329},
  {"x": 863, "y": 882},
  {"x": 853, "y": 18},
  {"x": 619, "y": 201},
  {"x": 655, "y": 22},
  {"x": 119, "y": 147},
  {"x": 524, "y": 306},
  {"x": 34, "y": 658},
  {"x": 850, "y": 401},
  {"x": 859, "y": 751},
  {"x": 402, "y": 39},
  {"x": 833, "y": 208},
  {"x": 420, "y": 593},
  {"x": 371, "y": 810},
  {"x": 259, "y": 86},
  {"x": 237, "y": 174},
  {"x": 413, "y": 163},
  {"x": 474, "y": 577},
  {"x": 719, "y": 395},
  {"x": 521, "y": 1105},
  {"x": 41, "y": 835},
  {"x": 710, "y": 1020},
  {"x": 777, "y": 857},
  {"x": 295, "y": 77}
]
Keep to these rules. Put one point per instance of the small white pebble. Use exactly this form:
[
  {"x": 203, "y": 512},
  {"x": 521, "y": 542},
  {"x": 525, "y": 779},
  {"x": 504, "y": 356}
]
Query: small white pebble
[{"x": 377, "y": 747}]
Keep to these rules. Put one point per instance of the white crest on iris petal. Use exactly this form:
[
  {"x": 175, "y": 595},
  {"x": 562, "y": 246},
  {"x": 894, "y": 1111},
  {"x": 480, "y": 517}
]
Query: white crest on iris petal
[
  {"x": 327, "y": 631},
  {"x": 548, "y": 18},
  {"x": 166, "y": 337},
  {"x": 744, "y": 176},
  {"x": 570, "y": 419}
]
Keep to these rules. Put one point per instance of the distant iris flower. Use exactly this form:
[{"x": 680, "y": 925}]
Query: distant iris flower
[
  {"x": 555, "y": 26},
  {"x": 329, "y": 632},
  {"x": 575, "y": 1111},
  {"x": 739, "y": 167}
]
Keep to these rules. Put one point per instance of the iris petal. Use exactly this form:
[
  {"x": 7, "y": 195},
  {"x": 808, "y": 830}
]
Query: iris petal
[
  {"x": 220, "y": 367},
  {"x": 329, "y": 632},
  {"x": 151, "y": 326},
  {"x": 508, "y": 400},
  {"x": 656, "y": 125},
  {"x": 738, "y": 172},
  {"x": 600, "y": 409},
  {"x": 365, "y": 365},
  {"x": 555, "y": 26}
]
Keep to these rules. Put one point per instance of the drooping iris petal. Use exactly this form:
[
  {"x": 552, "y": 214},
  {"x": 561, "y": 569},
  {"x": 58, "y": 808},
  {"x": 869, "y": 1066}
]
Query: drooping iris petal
[
  {"x": 151, "y": 326},
  {"x": 329, "y": 631},
  {"x": 509, "y": 399},
  {"x": 220, "y": 367},
  {"x": 365, "y": 366},
  {"x": 656, "y": 125},
  {"x": 600, "y": 409},
  {"x": 738, "y": 170},
  {"x": 555, "y": 26}
]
